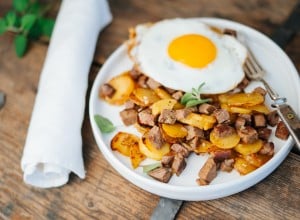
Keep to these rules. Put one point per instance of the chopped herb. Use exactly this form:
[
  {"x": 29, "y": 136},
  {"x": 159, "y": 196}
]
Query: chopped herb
[
  {"x": 104, "y": 124},
  {"x": 149, "y": 167},
  {"x": 193, "y": 98}
]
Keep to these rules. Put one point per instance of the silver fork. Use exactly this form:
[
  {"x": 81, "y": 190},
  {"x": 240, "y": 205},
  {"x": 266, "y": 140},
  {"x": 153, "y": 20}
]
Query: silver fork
[{"x": 254, "y": 71}]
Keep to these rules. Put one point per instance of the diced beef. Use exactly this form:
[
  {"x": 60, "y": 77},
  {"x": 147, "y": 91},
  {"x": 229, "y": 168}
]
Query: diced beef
[
  {"x": 194, "y": 142},
  {"x": 107, "y": 90},
  {"x": 247, "y": 117},
  {"x": 222, "y": 116},
  {"x": 273, "y": 118},
  {"x": 193, "y": 132},
  {"x": 134, "y": 73},
  {"x": 129, "y": 104},
  {"x": 281, "y": 131},
  {"x": 180, "y": 149},
  {"x": 155, "y": 137},
  {"x": 230, "y": 32},
  {"x": 169, "y": 90},
  {"x": 248, "y": 134},
  {"x": 201, "y": 182},
  {"x": 167, "y": 159},
  {"x": 223, "y": 130},
  {"x": 260, "y": 90},
  {"x": 182, "y": 113},
  {"x": 145, "y": 117},
  {"x": 267, "y": 149},
  {"x": 178, "y": 164},
  {"x": 177, "y": 95},
  {"x": 220, "y": 155},
  {"x": 161, "y": 174},
  {"x": 167, "y": 116},
  {"x": 206, "y": 108},
  {"x": 209, "y": 171},
  {"x": 240, "y": 122},
  {"x": 259, "y": 120},
  {"x": 264, "y": 133},
  {"x": 129, "y": 116},
  {"x": 152, "y": 84},
  {"x": 141, "y": 81},
  {"x": 227, "y": 165},
  {"x": 243, "y": 84}
]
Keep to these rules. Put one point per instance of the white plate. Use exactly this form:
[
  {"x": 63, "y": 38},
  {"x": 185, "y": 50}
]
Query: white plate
[{"x": 281, "y": 74}]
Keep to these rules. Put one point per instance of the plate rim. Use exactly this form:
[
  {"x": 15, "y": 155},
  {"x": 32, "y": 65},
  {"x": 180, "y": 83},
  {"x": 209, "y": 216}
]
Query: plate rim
[{"x": 188, "y": 192}]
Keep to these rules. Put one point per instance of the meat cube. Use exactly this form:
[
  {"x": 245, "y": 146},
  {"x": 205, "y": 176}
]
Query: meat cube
[
  {"x": 141, "y": 81},
  {"x": 129, "y": 104},
  {"x": 243, "y": 84},
  {"x": 169, "y": 90},
  {"x": 209, "y": 171},
  {"x": 135, "y": 73},
  {"x": 161, "y": 174},
  {"x": 240, "y": 122},
  {"x": 193, "y": 132},
  {"x": 247, "y": 117},
  {"x": 107, "y": 90},
  {"x": 267, "y": 149},
  {"x": 227, "y": 165},
  {"x": 178, "y": 164},
  {"x": 180, "y": 149},
  {"x": 264, "y": 133},
  {"x": 220, "y": 155},
  {"x": 167, "y": 116},
  {"x": 194, "y": 142},
  {"x": 201, "y": 182},
  {"x": 260, "y": 90},
  {"x": 145, "y": 117},
  {"x": 222, "y": 116},
  {"x": 129, "y": 116},
  {"x": 155, "y": 137},
  {"x": 152, "y": 84},
  {"x": 206, "y": 108},
  {"x": 259, "y": 120},
  {"x": 167, "y": 159},
  {"x": 248, "y": 134},
  {"x": 177, "y": 95},
  {"x": 281, "y": 131},
  {"x": 182, "y": 113},
  {"x": 223, "y": 130},
  {"x": 273, "y": 118}
]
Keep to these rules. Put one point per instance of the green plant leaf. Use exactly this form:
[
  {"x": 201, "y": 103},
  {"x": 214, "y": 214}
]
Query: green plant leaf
[
  {"x": 11, "y": 18},
  {"x": 47, "y": 26},
  {"x": 34, "y": 8},
  {"x": 2, "y": 26},
  {"x": 195, "y": 102},
  {"x": 20, "y": 5},
  {"x": 27, "y": 22},
  {"x": 186, "y": 97},
  {"x": 20, "y": 42},
  {"x": 148, "y": 168},
  {"x": 104, "y": 124}
]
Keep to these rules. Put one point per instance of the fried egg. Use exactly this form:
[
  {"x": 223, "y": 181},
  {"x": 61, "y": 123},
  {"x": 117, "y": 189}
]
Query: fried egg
[{"x": 183, "y": 53}]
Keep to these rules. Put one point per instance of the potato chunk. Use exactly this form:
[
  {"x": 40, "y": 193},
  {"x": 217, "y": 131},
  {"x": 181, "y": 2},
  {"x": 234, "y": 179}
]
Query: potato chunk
[
  {"x": 144, "y": 97},
  {"x": 243, "y": 166},
  {"x": 162, "y": 104},
  {"x": 242, "y": 99},
  {"x": 246, "y": 149},
  {"x": 147, "y": 148},
  {"x": 122, "y": 142},
  {"x": 225, "y": 142},
  {"x": 201, "y": 121},
  {"x": 176, "y": 130}
]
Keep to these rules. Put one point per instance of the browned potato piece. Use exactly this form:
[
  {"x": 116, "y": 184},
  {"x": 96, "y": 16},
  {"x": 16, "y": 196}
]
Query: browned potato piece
[
  {"x": 243, "y": 166},
  {"x": 151, "y": 151},
  {"x": 246, "y": 149},
  {"x": 201, "y": 121},
  {"x": 136, "y": 157},
  {"x": 122, "y": 142},
  {"x": 144, "y": 96},
  {"x": 176, "y": 130},
  {"x": 141, "y": 129},
  {"x": 242, "y": 99},
  {"x": 162, "y": 104},
  {"x": 204, "y": 147},
  {"x": 262, "y": 108},
  {"x": 161, "y": 93},
  {"x": 226, "y": 142},
  {"x": 257, "y": 159},
  {"x": 124, "y": 85}
]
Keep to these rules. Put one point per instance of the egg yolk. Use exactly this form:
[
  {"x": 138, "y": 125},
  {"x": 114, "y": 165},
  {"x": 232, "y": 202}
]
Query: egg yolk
[{"x": 193, "y": 50}]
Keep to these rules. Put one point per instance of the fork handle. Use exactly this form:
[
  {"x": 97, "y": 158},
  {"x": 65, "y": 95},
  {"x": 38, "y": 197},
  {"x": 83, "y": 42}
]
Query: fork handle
[{"x": 291, "y": 121}]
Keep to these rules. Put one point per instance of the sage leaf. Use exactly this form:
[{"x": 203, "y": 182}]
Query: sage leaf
[
  {"x": 2, "y": 26},
  {"x": 47, "y": 26},
  {"x": 20, "y": 5},
  {"x": 148, "y": 168},
  {"x": 28, "y": 21},
  {"x": 11, "y": 18},
  {"x": 185, "y": 98},
  {"x": 192, "y": 103},
  {"x": 104, "y": 124},
  {"x": 20, "y": 42}
]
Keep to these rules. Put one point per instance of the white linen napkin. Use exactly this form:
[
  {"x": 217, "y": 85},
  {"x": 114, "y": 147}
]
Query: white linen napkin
[{"x": 53, "y": 146}]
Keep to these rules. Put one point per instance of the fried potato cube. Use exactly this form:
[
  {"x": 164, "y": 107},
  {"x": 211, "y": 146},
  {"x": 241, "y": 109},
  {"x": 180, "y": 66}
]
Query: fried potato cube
[
  {"x": 257, "y": 159},
  {"x": 243, "y": 166},
  {"x": 242, "y": 99},
  {"x": 144, "y": 96},
  {"x": 246, "y": 149},
  {"x": 151, "y": 151},
  {"x": 162, "y": 104},
  {"x": 226, "y": 142},
  {"x": 176, "y": 130},
  {"x": 122, "y": 142},
  {"x": 161, "y": 93},
  {"x": 136, "y": 156},
  {"x": 201, "y": 121}
]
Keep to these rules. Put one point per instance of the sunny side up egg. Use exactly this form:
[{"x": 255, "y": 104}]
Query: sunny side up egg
[{"x": 183, "y": 53}]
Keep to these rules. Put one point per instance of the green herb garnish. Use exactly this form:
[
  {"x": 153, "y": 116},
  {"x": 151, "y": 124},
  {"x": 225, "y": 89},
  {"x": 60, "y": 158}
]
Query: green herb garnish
[
  {"x": 193, "y": 98},
  {"x": 26, "y": 21},
  {"x": 148, "y": 168},
  {"x": 104, "y": 124}
]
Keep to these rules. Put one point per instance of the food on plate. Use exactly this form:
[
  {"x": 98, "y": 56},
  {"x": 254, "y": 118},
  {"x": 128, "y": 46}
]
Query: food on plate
[{"x": 182, "y": 102}]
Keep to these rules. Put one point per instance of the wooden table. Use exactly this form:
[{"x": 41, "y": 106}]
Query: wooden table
[{"x": 104, "y": 194}]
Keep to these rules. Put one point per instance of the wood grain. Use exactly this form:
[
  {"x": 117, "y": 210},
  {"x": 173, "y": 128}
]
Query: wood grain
[{"x": 104, "y": 194}]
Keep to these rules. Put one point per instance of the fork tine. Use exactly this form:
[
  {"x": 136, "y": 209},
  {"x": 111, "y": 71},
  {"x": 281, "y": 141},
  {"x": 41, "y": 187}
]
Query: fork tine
[{"x": 253, "y": 61}]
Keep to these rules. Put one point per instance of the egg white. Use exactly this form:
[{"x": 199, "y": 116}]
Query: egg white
[{"x": 221, "y": 75}]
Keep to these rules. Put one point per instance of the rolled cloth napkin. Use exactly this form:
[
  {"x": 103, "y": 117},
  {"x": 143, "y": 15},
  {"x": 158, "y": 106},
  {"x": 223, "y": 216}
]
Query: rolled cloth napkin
[{"x": 53, "y": 146}]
